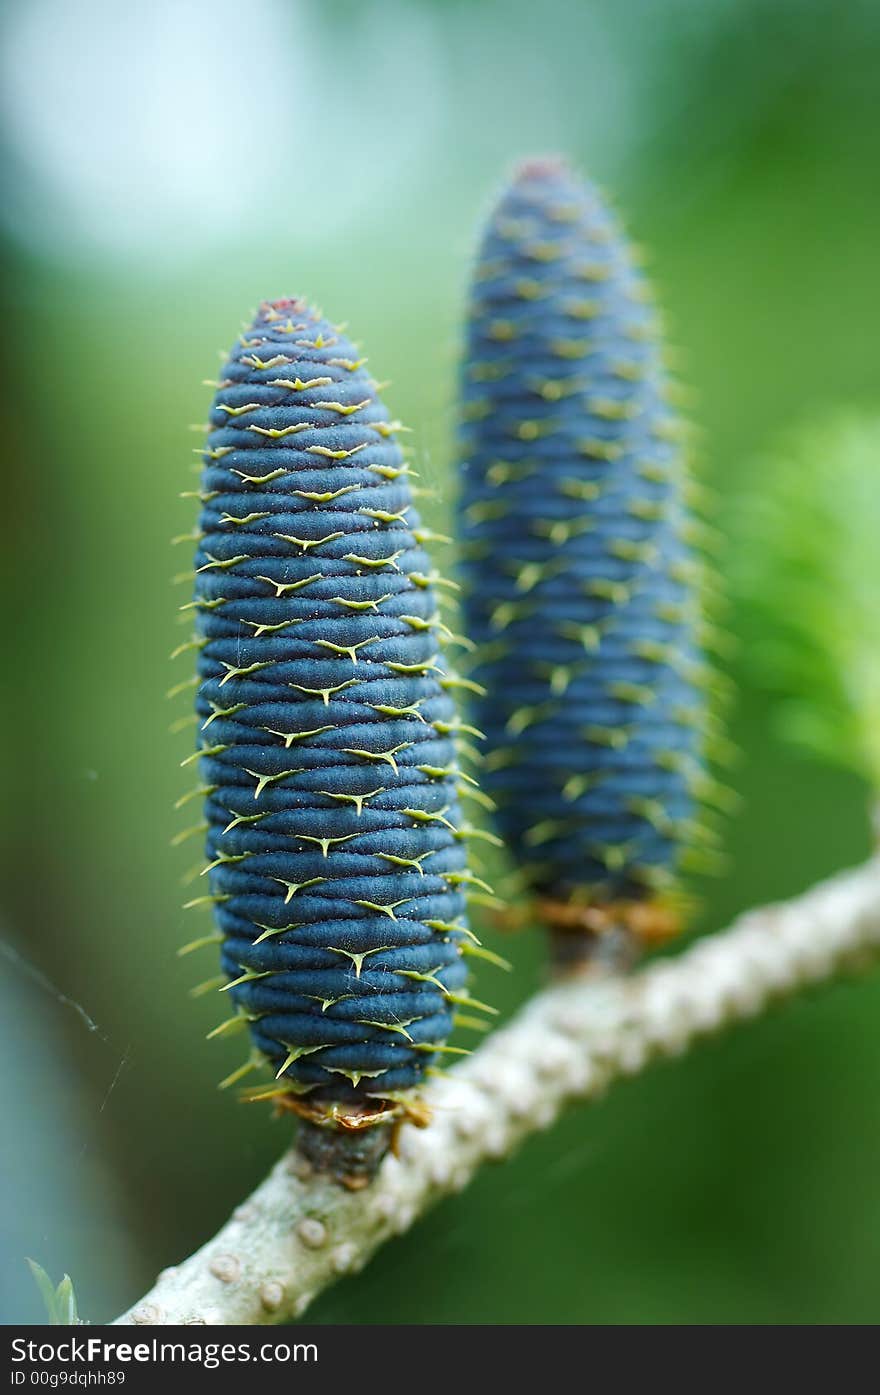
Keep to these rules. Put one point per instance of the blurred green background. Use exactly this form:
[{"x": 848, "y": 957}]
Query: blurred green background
[{"x": 166, "y": 167}]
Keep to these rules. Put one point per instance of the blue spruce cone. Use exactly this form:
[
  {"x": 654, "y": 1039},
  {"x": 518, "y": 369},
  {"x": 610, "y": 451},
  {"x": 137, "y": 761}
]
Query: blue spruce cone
[
  {"x": 335, "y": 856},
  {"x": 582, "y": 589}
]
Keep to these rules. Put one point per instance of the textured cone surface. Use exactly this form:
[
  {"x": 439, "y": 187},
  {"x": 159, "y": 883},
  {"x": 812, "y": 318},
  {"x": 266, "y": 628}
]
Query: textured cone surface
[
  {"x": 580, "y": 584},
  {"x": 332, "y": 806}
]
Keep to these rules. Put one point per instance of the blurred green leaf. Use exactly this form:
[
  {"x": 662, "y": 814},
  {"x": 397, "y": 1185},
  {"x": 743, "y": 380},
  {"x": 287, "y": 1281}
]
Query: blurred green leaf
[
  {"x": 65, "y": 1302},
  {"x": 61, "y": 1301},
  {"x": 807, "y": 574}
]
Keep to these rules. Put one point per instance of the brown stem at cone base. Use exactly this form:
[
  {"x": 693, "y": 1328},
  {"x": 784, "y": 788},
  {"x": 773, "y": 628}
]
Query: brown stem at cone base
[
  {"x": 607, "y": 938},
  {"x": 348, "y": 1142},
  {"x": 351, "y": 1159}
]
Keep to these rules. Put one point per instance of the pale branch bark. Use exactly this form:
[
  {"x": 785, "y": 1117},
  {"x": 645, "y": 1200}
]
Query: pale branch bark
[{"x": 297, "y": 1233}]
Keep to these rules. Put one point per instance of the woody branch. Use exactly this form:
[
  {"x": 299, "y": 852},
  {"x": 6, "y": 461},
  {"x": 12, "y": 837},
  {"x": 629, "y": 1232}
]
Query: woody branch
[{"x": 298, "y": 1233}]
